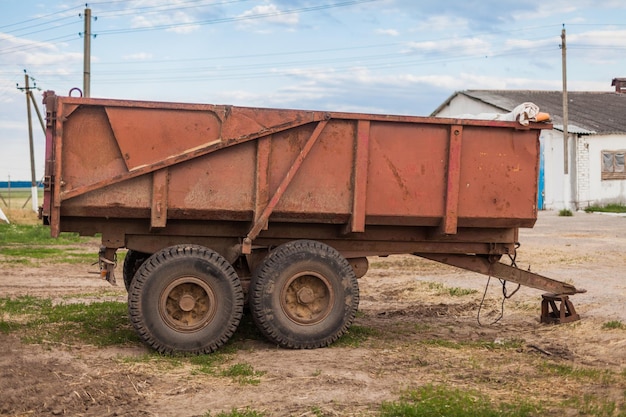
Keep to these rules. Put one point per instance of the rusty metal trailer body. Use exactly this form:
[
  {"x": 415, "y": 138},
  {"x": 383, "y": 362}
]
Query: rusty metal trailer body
[{"x": 282, "y": 205}]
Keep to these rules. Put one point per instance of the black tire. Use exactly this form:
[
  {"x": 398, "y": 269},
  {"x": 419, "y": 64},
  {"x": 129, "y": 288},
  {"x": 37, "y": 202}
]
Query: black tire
[
  {"x": 132, "y": 262},
  {"x": 304, "y": 295},
  {"x": 186, "y": 299}
]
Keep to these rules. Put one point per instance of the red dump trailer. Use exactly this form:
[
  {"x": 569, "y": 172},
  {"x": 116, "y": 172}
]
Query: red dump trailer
[{"x": 220, "y": 205}]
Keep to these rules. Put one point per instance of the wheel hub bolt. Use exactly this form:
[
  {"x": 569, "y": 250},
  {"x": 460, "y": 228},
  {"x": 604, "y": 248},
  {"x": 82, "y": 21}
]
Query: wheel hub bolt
[
  {"x": 305, "y": 295},
  {"x": 187, "y": 302}
]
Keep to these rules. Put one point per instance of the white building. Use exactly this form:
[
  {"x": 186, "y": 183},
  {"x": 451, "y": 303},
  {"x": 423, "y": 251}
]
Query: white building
[{"x": 593, "y": 153}]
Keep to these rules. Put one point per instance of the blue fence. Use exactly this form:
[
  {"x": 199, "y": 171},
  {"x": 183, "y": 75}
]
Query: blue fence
[{"x": 17, "y": 184}]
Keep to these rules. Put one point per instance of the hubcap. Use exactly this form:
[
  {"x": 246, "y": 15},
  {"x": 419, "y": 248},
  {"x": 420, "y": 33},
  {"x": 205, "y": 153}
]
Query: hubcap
[
  {"x": 307, "y": 298},
  {"x": 187, "y": 304}
]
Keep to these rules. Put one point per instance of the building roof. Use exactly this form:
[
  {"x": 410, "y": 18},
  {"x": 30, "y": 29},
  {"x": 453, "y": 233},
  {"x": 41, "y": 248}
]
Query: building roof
[{"x": 589, "y": 112}]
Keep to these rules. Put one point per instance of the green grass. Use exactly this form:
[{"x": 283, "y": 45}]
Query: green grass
[
  {"x": 32, "y": 244},
  {"x": 609, "y": 208},
  {"x": 243, "y": 373},
  {"x": 22, "y": 234},
  {"x": 441, "y": 289},
  {"x": 355, "y": 336},
  {"x": 593, "y": 405},
  {"x": 33, "y": 255},
  {"x": 105, "y": 323},
  {"x": 20, "y": 193},
  {"x": 601, "y": 376},
  {"x": 37, "y": 320},
  {"x": 614, "y": 324},
  {"x": 566, "y": 213},
  {"x": 155, "y": 360},
  {"x": 437, "y": 401},
  {"x": 431, "y": 401},
  {"x": 211, "y": 363},
  {"x": 507, "y": 344},
  {"x": 237, "y": 413},
  {"x": 399, "y": 262}
]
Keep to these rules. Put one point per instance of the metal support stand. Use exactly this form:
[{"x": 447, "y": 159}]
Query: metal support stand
[
  {"x": 107, "y": 262},
  {"x": 563, "y": 313}
]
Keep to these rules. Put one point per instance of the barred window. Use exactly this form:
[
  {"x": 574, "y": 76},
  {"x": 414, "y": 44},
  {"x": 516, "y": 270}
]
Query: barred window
[{"x": 613, "y": 165}]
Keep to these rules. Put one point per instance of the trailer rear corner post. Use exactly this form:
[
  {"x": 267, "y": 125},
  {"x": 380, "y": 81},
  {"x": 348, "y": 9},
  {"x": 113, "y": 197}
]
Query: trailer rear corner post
[
  {"x": 112, "y": 239},
  {"x": 108, "y": 261}
]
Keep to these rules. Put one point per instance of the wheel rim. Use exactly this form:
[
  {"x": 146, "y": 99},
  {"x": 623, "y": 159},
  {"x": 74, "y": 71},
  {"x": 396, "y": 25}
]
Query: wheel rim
[
  {"x": 307, "y": 298},
  {"x": 187, "y": 304}
]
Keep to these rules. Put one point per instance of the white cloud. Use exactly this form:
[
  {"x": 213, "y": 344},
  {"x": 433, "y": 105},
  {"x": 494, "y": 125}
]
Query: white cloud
[
  {"x": 554, "y": 7},
  {"x": 603, "y": 38},
  {"x": 40, "y": 59},
  {"x": 178, "y": 22},
  {"x": 456, "y": 46},
  {"x": 442, "y": 23},
  {"x": 530, "y": 44},
  {"x": 387, "y": 32},
  {"x": 267, "y": 13}
]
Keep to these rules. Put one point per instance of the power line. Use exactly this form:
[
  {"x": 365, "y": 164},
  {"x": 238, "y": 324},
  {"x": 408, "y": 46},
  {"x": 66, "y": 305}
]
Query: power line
[
  {"x": 206, "y": 22},
  {"x": 395, "y": 59},
  {"x": 252, "y": 72},
  {"x": 38, "y": 44},
  {"x": 236, "y": 18},
  {"x": 40, "y": 17},
  {"x": 278, "y": 68},
  {"x": 43, "y": 29},
  {"x": 38, "y": 25},
  {"x": 384, "y": 60},
  {"x": 162, "y": 8}
]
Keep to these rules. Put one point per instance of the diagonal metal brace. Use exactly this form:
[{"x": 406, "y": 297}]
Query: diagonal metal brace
[
  {"x": 261, "y": 221},
  {"x": 485, "y": 265}
]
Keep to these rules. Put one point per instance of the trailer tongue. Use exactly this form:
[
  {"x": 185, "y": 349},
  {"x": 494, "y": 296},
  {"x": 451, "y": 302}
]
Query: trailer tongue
[{"x": 218, "y": 203}]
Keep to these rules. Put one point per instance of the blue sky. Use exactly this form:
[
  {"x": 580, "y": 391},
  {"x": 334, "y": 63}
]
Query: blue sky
[{"x": 378, "y": 56}]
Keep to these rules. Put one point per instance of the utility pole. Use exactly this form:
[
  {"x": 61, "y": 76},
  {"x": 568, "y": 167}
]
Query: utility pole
[
  {"x": 87, "y": 54},
  {"x": 565, "y": 103},
  {"x": 32, "y": 100},
  {"x": 33, "y": 184}
]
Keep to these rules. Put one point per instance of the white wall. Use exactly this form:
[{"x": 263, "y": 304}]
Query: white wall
[
  {"x": 583, "y": 185},
  {"x": 607, "y": 191},
  {"x": 558, "y": 188}
]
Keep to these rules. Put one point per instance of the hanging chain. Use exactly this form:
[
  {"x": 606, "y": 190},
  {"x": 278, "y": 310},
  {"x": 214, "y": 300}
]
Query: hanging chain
[{"x": 505, "y": 295}]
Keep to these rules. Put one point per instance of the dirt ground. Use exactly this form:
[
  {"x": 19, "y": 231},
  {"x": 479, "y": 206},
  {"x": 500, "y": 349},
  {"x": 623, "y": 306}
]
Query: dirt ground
[{"x": 421, "y": 335}]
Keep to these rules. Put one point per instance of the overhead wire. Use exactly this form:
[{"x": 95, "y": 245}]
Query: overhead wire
[
  {"x": 197, "y": 23},
  {"x": 38, "y": 25},
  {"x": 235, "y": 18},
  {"x": 250, "y": 72},
  {"x": 164, "y": 7},
  {"x": 45, "y": 29},
  {"x": 273, "y": 69},
  {"x": 38, "y": 44},
  {"x": 247, "y": 57},
  {"x": 40, "y": 17}
]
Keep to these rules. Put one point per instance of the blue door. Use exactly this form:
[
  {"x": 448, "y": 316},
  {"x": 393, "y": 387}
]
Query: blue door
[{"x": 541, "y": 186}]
